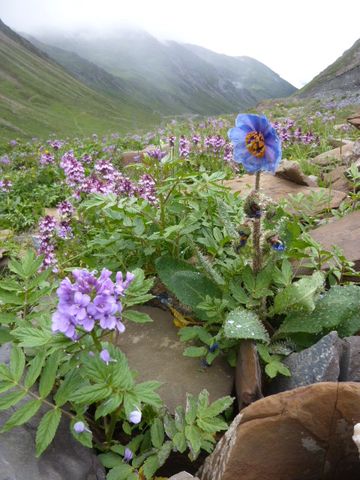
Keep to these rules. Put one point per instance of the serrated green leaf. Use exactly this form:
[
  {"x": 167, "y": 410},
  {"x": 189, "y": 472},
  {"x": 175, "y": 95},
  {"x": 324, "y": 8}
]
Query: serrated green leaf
[
  {"x": 47, "y": 429},
  {"x": 190, "y": 409},
  {"x": 150, "y": 466},
  {"x": 32, "y": 337},
  {"x": 48, "y": 375},
  {"x": 169, "y": 426},
  {"x": 137, "y": 317},
  {"x": 164, "y": 452},
  {"x": 30, "y": 264},
  {"x": 179, "y": 442},
  {"x": 193, "y": 436},
  {"x": 11, "y": 399},
  {"x": 216, "y": 407},
  {"x": 22, "y": 415},
  {"x": 109, "y": 405},
  {"x": 211, "y": 424},
  {"x": 245, "y": 324},
  {"x": 157, "y": 433},
  {"x": 5, "y": 386},
  {"x": 145, "y": 391},
  {"x": 34, "y": 370},
  {"x": 6, "y": 318},
  {"x": 91, "y": 394},
  {"x": 72, "y": 381},
  {"x": 121, "y": 472},
  {"x": 5, "y": 335},
  {"x": 17, "y": 362}
]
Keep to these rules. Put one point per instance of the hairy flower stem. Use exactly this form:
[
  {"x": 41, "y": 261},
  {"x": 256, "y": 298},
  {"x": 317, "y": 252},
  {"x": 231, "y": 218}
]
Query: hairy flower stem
[{"x": 257, "y": 259}]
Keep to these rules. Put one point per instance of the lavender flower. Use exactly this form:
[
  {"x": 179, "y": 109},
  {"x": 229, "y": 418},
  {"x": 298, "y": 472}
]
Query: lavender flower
[
  {"x": 5, "y": 186},
  {"x": 89, "y": 302},
  {"x": 65, "y": 210},
  {"x": 156, "y": 154},
  {"x": 135, "y": 416},
  {"x": 5, "y": 160},
  {"x": 105, "y": 357},
  {"x": 128, "y": 455},
  {"x": 80, "y": 427}
]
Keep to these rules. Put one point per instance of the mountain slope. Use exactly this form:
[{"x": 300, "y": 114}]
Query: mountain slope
[
  {"x": 39, "y": 97},
  {"x": 341, "y": 77},
  {"x": 176, "y": 78}
]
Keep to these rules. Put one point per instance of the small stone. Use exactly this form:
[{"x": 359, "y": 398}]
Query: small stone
[
  {"x": 335, "y": 156},
  {"x": 183, "y": 476},
  {"x": 352, "y": 359},
  {"x": 248, "y": 374},
  {"x": 291, "y": 170},
  {"x": 319, "y": 363}
]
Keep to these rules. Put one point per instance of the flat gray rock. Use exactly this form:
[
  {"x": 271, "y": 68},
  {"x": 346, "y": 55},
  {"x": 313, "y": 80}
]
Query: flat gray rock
[
  {"x": 319, "y": 363},
  {"x": 156, "y": 353},
  {"x": 352, "y": 359},
  {"x": 65, "y": 459}
]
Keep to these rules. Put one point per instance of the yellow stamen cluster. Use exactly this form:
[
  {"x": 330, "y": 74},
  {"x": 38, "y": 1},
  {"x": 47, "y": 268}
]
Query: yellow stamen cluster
[{"x": 255, "y": 144}]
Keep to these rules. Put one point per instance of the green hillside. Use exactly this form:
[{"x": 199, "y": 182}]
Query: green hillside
[
  {"x": 171, "y": 77},
  {"x": 39, "y": 97}
]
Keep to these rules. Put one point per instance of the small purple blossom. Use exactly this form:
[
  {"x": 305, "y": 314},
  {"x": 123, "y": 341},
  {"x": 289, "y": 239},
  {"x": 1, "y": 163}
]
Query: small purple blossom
[
  {"x": 105, "y": 356},
  {"x": 135, "y": 416},
  {"x": 80, "y": 427},
  {"x": 156, "y": 154},
  {"x": 5, "y": 186},
  {"x": 128, "y": 455}
]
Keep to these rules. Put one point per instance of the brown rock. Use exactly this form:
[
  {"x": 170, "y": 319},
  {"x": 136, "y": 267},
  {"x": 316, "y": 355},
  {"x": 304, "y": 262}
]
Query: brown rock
[
  {"x": 129, "y": 158},
  {"x": 304, "y": 434},
  {"x": 337, "y": 180},
  {"x": 248, "y": 374},
  {"x": 156, "y": 353},
  {"x": 278, "y": 188},
  {"x": 291, "y": 171},
  {"x": 335, "y": 156},
  {"x": 343, "y": 233},
  {"x": 355, "y": 120}
]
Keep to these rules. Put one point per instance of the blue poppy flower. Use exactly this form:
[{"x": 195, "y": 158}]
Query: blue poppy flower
[{"x": 256, "y": 143}]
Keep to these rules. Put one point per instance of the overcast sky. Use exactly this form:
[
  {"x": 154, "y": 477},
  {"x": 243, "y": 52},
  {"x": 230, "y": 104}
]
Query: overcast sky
[{"x": 297, "y": 39}]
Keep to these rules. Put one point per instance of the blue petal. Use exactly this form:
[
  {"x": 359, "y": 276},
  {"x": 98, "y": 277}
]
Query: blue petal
[
  {"x": 242, "y": 155},
  {"x": 236, "y": 135},
  {"x": 257, "y": 123}
]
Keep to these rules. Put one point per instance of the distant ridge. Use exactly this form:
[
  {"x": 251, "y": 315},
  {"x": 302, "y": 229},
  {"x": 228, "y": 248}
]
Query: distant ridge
[{"x": 341, "y": 78}]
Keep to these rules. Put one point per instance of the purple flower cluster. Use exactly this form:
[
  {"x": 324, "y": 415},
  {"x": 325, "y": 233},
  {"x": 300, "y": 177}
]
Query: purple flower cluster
[
  {"x": 47, "y": 158},
  {"x": 5, "y": 160},
  {"x": 73, "y": 169},
  {"x": 90, "y": 302},
  {"x": 47, "y": 232},
  {"x": 56, "y": 144},
  {"x": 5, "y": 186},
  {"x": 184, "y": 147},
  {"x": 156, "y": 154},
  {"x": 146, "y": 189},
  {"x": 291, "y": 134}
]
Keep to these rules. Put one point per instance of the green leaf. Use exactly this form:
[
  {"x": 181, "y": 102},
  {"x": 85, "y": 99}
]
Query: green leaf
[
  {"x": 16, "y": 267},
  {"x": 245, "y": 324},
  {"x": 179, "y": 442},
  {"x": 5, "y": 386},
  {"x": 69, "y": 385},
  {"x": 195, "y": 351},
  {"x": 157, "y": 433},
  {"x": 193, "y": 435},
  {"x": 47, "y": 429},
  {"x": 145, "y": 391},
  {"x": 121, "y": 472},
  {"x": 300, "y": 295},
  {"x": 32, "y": 337},
  {"x": 150, "y": 466},
  {"x": 11, "y": 399},
  {"x": 17, "y": 362},
  {"x": 91, "y": 394},
  {"x": 275, "y": 367},
  {"x": 211, "y": 425},
  {"x": 109, "y": 405},
  {"x": 216, "y": 407},
  {"x": 110, "y": 460},
  {"x": 30, "y": 264},
  {"x": 34, "y": 370},
  {"x": 6, "y": 318},
  {"x": 22, "y": 415},
  {"x": 190, "y": 409},
  {"x": 5, "y": 335},
  {"x": 48, "y": 375},
  {"x": 137, "y": 317},
  {"x": 164, "y": 452}
]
